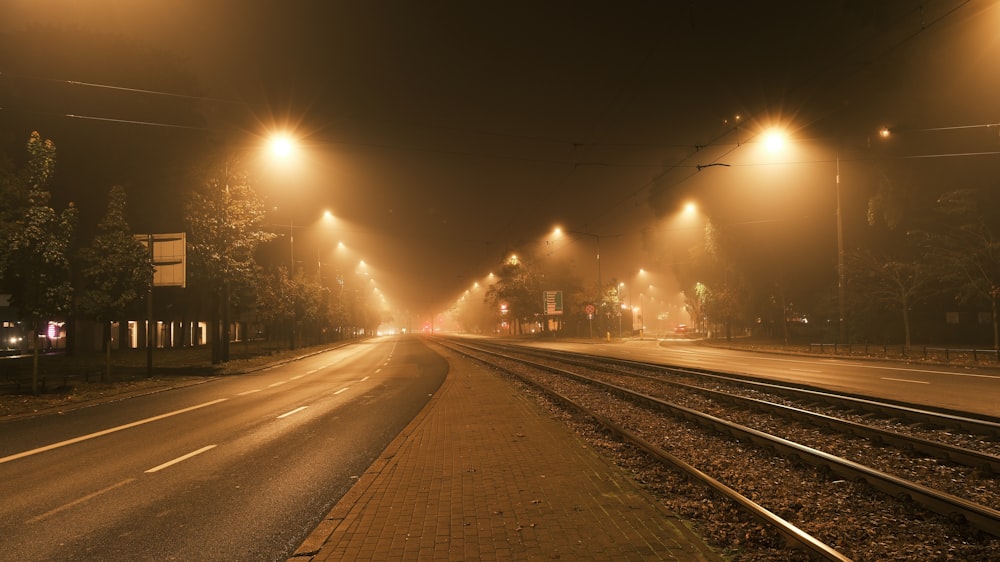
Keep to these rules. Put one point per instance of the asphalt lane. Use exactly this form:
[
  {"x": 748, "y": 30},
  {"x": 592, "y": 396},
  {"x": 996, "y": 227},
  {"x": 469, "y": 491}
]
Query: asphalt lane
[
  {"x": 239, "y": 468},
  {"x": 972, "y": 390}
]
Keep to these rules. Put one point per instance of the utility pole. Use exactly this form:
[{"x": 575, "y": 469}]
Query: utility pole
[{"x": 841, "y": 306}]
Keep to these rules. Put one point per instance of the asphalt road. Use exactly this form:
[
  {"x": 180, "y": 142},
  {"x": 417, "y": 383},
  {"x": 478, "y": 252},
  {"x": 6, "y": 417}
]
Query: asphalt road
[
  {"x": 952, "y": 388},
  {"x": 238, "y": 468}
]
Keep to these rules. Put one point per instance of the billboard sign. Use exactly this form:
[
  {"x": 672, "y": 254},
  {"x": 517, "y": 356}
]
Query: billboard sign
[
  {"x": 168, "y": 255},
  {"x": 553, "y": 303}
]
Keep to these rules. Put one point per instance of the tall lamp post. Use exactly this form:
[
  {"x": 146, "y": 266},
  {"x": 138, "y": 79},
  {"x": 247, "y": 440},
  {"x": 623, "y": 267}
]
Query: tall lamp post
[
  {"x": 841, "y": 288},
  {"x": 773, "y": 142},
  {"x": 291, "y": 248},
  {"x": 597, "y": 238}
]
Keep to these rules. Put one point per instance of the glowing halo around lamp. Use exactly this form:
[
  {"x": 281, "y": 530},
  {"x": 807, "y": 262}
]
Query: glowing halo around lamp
[
  {"x": 774, "y": 140},
  {"x": 281, "y": 145}
]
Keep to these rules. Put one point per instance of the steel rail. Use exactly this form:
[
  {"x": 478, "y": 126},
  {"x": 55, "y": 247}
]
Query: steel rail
[
  {"x": 980, "y": 426},
  {"x": 959, "y": 455},
  {"x": 981, "y": 517},
  {"x": 794, "y": 537}
]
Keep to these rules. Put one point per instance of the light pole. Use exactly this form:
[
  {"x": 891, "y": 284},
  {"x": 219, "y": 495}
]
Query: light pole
[
  {"x": 621, "y": 306},
  {"x": 841, "y": 289},
  {"x": 597, "y": 238},
  {"x": 773, "y": 142},
  {"x": 282, "y": 147},
  {"x": 642, "y": 315}
]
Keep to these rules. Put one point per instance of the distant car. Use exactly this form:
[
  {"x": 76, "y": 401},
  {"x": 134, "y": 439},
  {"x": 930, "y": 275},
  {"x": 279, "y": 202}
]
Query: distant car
[{"x": 681, "y": 329}]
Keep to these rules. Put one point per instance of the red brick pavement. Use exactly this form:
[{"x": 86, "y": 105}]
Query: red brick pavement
[{"x": 482, "y": 473}]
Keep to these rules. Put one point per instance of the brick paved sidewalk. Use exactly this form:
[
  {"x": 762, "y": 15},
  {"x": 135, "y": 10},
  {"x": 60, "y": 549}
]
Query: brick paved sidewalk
[{"x": 483, "y": 473}]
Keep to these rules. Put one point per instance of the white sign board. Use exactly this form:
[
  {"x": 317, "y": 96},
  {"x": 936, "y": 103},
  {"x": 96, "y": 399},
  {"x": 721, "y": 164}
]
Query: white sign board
[
  {"x": 553, "y": 302},
  {"x": 169, "y": 263}
]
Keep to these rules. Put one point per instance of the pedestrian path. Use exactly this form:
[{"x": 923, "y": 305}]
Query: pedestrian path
[{"x": 483, "y": 473}]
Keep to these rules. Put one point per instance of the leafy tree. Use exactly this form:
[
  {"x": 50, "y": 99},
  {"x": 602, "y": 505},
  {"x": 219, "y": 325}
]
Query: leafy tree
[
  {"x": 225, "y": 223},
  {"x": 517, "y": 287},
  {"x": 38, "y": 268},
  {"x": 696, "y": 303},
  {"x": 116, "y": 268},
  {"x": 310, "y": 303},
  {"x": 14, "y": 196},
  {"x": 276, "y": 302}
]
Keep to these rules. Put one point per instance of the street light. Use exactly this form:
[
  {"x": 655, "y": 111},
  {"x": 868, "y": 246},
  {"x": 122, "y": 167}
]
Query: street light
[
  {"x": 597, "y": 238},
  {"x": 281, "y": 146},
  {"x": 774, "y": 141},
  {"x": 327, "y": 218},
  {"x": 621, "y": 307},
  {"x": 841, "y": 274}
]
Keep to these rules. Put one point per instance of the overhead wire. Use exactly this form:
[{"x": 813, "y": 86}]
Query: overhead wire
[{"x": 924, "y": 25}]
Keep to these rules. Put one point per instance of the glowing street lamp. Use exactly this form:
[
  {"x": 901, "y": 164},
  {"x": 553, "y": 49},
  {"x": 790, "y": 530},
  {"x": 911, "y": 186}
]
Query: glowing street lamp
[
  {"x": 774, "y": 140},
  {"x": 281, "y": 145}
]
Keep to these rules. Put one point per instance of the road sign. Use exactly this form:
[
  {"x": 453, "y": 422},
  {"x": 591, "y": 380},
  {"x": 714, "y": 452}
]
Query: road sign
[{"x": 168, "y": 254}]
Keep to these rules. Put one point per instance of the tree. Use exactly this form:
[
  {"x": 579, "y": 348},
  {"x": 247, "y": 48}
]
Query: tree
[
  {"x": 889, "y": 282},
  {"x": 312, "y": 308},
  {"x": 225, "y": 222},
  {"x": 38, "y": 268},
  {"x": 968, "y": 250},
  {"x": 516, "y": 286},
  {"x": 276, "y": 302},
  {"x": 116, "y": 268},
  {"x": 726, "y": 299},
  {"x": 696, "y": 304},
  {"x": 14, "y": 195}
]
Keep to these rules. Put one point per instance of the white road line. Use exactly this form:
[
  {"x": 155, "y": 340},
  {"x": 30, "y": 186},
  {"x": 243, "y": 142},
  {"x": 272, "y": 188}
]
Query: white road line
[
  {"x": 297, "y": 377},
  {"x": 106, "y": 431},
  {"x": 377, "y": 371},
  {"x": 311, "y": 372},
  {"x": 859, "y": 364},
  {"x": 180, "y": 459},
  {"x": 78, "y": 501},
  {"x": 974, "y": 375},
  {"x": 364, "y": 379},
  {"x": 248, "y": 392},
  {"x": 904, "y": 380},
  {"x": 342, "y": 390},
  {"x": 295, "y": 411},
  {"x": 805, "y": 370},
  {"x": 274, "y": 384}
]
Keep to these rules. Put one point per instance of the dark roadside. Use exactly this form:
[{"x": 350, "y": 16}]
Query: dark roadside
[{"x": 69, "y": 382}]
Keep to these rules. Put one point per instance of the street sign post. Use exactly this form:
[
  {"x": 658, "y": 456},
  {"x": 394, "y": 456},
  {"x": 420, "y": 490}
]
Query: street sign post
[{"x": 167, "y": 253}]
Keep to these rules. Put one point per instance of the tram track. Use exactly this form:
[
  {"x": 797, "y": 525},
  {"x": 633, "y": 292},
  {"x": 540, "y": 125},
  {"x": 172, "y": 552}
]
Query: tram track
[{"x": 632, "y": 406}]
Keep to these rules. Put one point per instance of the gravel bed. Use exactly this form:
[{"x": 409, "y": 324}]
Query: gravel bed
[
  {"x": 962, "y": 481},
  {"x": 981, "y": 443},
  {"x": 860, "y": 522},
  {"x": 942, "y": 435},
  {"x": 985, "y": 444}
]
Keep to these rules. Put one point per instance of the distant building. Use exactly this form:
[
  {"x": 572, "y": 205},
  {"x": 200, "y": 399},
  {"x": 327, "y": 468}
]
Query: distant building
[{"x": 11, "y": 330}]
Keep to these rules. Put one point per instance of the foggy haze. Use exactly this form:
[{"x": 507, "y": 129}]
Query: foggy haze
[{"x": 446, "y": 136}]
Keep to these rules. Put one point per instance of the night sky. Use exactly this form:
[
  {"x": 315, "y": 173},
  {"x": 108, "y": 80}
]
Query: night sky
[{"x": 445, "y": 135}]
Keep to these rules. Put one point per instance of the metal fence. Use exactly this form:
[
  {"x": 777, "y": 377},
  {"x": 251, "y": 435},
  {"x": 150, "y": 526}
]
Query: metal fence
[{"x": 924, "y": 353}]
